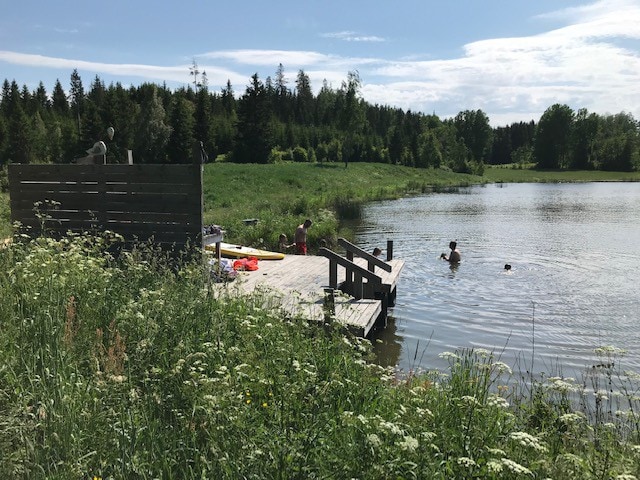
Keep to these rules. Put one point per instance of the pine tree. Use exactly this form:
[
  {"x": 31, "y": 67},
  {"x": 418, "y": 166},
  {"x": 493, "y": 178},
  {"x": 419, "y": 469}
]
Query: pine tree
[
  {"x": 255, "y": 130},
  {"x": 182, "y": 127}
]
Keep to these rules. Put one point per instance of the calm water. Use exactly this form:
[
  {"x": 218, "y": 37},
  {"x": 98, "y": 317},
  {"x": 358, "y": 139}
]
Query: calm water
[{"x": 574, "y": 285}]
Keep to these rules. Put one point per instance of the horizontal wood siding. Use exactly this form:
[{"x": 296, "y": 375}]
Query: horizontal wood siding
[{"x": 162, "y": 203}]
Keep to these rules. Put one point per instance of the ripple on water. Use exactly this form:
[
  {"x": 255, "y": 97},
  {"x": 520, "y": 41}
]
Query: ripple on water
[{"x": 572, "y": 288}]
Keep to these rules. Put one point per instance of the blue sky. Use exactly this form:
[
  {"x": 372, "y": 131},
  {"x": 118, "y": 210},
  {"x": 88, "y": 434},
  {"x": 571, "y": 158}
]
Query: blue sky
[{"x": 512, "y": 59}]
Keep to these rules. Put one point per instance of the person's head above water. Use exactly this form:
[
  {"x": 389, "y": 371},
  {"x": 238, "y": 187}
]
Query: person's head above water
[
  {"x": 453, "y": 245},
  {"x": 507, "y": 266}
]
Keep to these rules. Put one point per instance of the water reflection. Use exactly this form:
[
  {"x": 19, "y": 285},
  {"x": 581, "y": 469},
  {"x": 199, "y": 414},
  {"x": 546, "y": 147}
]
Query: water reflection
[{"x": 562, "y": 298}]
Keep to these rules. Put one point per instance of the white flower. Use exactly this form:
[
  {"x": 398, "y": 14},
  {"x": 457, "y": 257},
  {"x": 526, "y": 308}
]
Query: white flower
[
  {"x": 516, "y": 467},
  {"x": 466, "y": 462},
  {"x": 374, "y": 440},
  {"x": 424, "y": 412},
  {"x": 527, "y": 440},
  {"x": 408, "y": 443},
  {"x": 601, "y": 395},
  {"x": 571, "y": 417},
  {"x": 502, "y": 367},
  {"x": 449, "y": 355},
  {"x": 494, "y": 466},
  {"x": 497, "y": 401},
  {"x": 496, "y": 451}
]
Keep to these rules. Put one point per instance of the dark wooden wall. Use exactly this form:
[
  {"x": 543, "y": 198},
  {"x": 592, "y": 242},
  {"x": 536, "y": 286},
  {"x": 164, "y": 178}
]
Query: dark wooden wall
[{"x": 162, "y": 203}]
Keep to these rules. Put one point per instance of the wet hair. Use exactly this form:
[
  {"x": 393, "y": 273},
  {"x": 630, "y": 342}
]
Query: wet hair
[
  {"x": 376, "y": 252},
  {"x": 453, "y": 244},
  {"x": 507, "y": 266}
]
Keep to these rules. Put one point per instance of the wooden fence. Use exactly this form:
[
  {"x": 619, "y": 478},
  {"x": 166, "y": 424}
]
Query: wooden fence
[{"x": 158, "y": 203}]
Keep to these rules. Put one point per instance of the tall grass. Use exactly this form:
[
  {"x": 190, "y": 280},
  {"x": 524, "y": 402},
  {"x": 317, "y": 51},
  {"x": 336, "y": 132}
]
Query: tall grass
[{"x": 128, "y": 368}]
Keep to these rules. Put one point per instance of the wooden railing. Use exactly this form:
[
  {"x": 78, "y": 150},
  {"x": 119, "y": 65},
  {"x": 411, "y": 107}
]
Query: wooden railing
[
  {"x": 355, "y": 275},
  {"x": 355, "y": 272},
  {"x": 372, "y": 261}
]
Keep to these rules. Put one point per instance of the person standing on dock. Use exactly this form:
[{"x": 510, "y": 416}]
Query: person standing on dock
[{"x": 300, "y": 237}]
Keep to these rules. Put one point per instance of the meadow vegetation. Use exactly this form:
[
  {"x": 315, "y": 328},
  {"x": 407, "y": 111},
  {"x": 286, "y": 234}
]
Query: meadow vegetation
[{"x": 128, "y": 368}]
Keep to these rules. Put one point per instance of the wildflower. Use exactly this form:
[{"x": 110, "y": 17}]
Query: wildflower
[
  {"x": 516, "y": 467},
  {"x": 497, "y": 401},
  {"x": 391, "y": 427},
  {"x": 449, "y": 355},
  {"x": 609, "y": 350},
  {"x": 562, "y": 385},
  {"x": 527, "y": 440},
  {"x": 469, "y": 400},
  {"x": 364, "y": 420},
  {"x": 466, "y": 462},
  {"x": 496, "y": 451},
  {"x": 374, "y": 440},
  {"x": 568, "y": 418},
  {"x": 409, "y": 444},
  {"x": 494, "y": 466},
  {"x": 424, "y": 412},
  {"x": 601, "y": 395},
  {"x": 502, "y": 367},
  {"x": 265, "y": 404},
  {"x": 428, "y": 436}
]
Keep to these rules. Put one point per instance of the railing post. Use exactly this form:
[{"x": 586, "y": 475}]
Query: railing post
[
  {"x": 358, "y": 287},
  {"x": 389, "y": 250},
  {"x": 333, "y": 274},
  {"x": 329, "y": 306}
]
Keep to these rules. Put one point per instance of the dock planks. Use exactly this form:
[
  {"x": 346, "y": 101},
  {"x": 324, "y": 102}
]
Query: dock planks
[{"x": 296, "y": 285}]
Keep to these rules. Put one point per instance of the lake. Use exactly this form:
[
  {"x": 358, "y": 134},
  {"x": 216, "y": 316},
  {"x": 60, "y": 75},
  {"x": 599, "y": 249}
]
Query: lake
[{"x": 573, "y": 287}]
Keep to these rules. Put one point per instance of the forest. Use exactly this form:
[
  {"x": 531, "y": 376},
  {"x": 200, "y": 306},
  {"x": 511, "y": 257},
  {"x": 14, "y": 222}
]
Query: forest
[{"x": 274, "y": 121}]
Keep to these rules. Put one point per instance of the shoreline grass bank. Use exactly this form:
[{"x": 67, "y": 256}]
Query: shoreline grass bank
[{"x": 129, "y": 369}]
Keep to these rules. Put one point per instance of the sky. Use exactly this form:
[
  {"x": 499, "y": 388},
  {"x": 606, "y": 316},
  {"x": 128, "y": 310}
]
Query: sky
[{"x": 510, "y": 59}]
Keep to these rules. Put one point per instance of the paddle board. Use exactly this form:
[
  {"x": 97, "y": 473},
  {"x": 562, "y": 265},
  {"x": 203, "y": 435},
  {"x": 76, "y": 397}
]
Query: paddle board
[{"x": 240, "y": 251}]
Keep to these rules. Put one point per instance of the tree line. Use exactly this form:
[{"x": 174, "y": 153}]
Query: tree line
[{"x": 274, "y": 121}]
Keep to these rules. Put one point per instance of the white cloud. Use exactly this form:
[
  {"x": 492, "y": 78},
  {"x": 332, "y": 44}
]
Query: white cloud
[
  {"x": 349, "y": 36},
  {"x": 588, "y": 61}
]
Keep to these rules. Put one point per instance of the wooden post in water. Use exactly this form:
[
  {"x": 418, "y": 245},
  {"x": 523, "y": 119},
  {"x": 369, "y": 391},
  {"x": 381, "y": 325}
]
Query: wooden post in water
[
  {"x": 329, "y": 305},
  {"x": 389, "y": 250}
]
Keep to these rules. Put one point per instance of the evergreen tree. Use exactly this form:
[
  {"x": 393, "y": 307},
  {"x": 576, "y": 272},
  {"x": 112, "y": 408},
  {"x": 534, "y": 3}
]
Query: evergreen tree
[
  {"x": 59, "y": 102},
  {"x": 152, "y": 133},
  {"x": 255, "y": 132},
  {"x": 303, "y": 99},
  {"x": 181, "y": 139},
  {"x": 76, "y": 94}
]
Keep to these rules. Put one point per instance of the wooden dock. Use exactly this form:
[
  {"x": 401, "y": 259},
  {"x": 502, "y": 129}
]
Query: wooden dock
[{"x": 297, "y": 286}]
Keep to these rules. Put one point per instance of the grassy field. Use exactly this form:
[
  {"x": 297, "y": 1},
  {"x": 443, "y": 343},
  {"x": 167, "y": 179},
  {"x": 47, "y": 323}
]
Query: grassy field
[
  {"x": 510, "y": 174},
  {"x": 130, "y": 369}
]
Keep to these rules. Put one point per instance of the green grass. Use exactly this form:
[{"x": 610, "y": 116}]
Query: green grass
[
  {"x": 5, "y": 216},
  {"x": 282, "y": 195},
  {"x": 512, "y": 174},
  {"x": 129, "y": 369}
]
